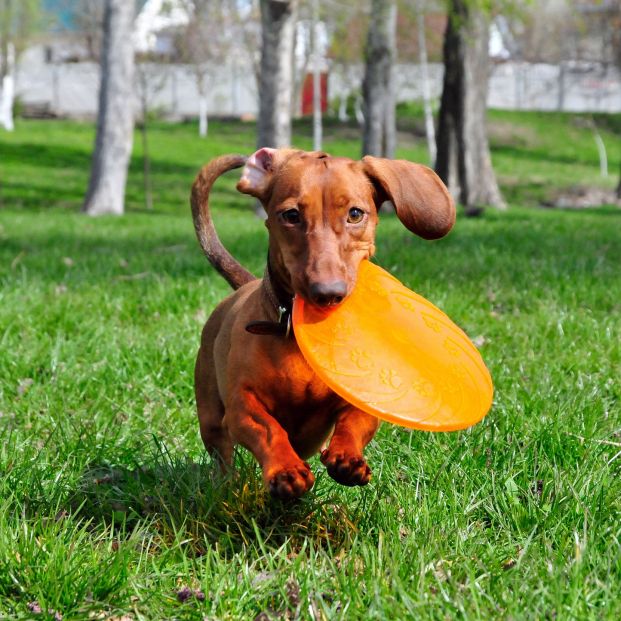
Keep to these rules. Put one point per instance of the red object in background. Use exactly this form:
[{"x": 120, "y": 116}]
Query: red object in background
[{"x": 307, "y": 93}]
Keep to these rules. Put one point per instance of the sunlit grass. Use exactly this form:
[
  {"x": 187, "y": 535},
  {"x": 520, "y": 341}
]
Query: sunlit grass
[{"x": 108, "y": 504}]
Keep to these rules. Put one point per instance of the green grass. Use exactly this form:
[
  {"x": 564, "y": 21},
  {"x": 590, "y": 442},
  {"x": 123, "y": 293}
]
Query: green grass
[{"x": 108, "y": 504}]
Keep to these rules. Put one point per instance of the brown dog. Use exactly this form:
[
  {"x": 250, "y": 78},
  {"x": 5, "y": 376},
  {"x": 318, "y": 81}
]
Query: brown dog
[{"x": 253, "y": 386}]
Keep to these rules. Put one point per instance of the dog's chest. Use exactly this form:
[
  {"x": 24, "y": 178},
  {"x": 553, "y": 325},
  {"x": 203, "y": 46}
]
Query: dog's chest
[
  {"x": 303, "y": 405},
  {"x": 292, "y": 384},
  {"x": 293, "y": 394},
  {"x": 296, "y": 382}
]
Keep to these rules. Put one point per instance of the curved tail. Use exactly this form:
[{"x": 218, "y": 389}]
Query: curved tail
[{"x": 232, "y": 271}]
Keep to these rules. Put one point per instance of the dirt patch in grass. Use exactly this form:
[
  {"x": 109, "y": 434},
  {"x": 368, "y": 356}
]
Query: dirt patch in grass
[
  {"x": 582, "y": 197},
  {"x": 508, "y": 133}
]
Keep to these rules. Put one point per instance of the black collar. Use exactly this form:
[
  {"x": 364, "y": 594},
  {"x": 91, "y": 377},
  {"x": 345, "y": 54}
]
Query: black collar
[{"x": 282, "y": 303}]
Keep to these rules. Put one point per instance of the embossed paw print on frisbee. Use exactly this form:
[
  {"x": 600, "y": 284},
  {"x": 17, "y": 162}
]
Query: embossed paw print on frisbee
[{"x": 393, "y": 354}]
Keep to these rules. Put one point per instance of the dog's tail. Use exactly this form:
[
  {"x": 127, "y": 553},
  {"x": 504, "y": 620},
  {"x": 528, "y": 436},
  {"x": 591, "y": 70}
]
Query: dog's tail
[{"x": 232, "y": 271}]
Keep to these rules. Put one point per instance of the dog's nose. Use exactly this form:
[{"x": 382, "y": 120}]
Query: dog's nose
[{"x": 328, "y": 293}]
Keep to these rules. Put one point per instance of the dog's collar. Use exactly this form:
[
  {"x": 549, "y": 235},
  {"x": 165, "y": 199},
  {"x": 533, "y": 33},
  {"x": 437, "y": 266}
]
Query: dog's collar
[{"x": 282, "y": 304}]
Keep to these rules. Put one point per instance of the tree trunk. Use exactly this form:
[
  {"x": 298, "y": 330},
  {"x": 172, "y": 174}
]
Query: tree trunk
[
  {"x": 430, "y": 130},
  {"x": 299, "y": 73},
  {"x": 115, "y": 120},
  {"x": 203, "y": 121},
  {"x": 601, "y": 150},
  {"x": 560, "y": 102},
  {"x": 278, "y": 20},
  {"x": 146, "y": 167},
  {"x": 378, "y": 88},
  {"x": 618, "y": 191},
  {"x": 389, "y": 142},
  {"x": 7, "y": 87},
  {"x": 144, "y": 131},
  {"x": 317, "y": 125},
  {"x": 343, "y": 116},
  {"x": 463, "y": 161},
  {"x": 358, "y": 112}
]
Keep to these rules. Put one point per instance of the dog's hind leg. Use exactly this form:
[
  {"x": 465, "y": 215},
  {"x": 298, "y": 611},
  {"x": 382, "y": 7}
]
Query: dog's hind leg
[{"x": 211, "y": 411}]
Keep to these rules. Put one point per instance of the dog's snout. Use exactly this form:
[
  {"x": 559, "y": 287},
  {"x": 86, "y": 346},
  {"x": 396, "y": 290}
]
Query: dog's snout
[{"x": 328, "y": 293}]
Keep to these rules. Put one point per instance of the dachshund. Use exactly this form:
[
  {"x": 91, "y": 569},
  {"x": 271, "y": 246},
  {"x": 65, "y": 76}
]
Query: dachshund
[{"x": 253, "y": 386}]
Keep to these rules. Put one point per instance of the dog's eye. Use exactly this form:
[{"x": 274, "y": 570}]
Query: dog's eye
[
  {"x": 355, "y": 215},
  {"x": 291, "y": 216}
]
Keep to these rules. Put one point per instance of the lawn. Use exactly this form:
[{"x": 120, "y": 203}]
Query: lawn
[{"x": 108, "y": 504}]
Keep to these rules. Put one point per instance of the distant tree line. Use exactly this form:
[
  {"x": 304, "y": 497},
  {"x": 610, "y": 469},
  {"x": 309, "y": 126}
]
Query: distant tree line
[{"x": 265, "y": 32}]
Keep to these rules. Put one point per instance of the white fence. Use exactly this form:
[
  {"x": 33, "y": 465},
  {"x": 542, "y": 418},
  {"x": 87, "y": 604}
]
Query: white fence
[
  {"x": 571, "y": 87},
  {"x": 71, "y": 89}
]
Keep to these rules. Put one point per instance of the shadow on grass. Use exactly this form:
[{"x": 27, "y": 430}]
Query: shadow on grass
[
  {"x": 533, "y": 155},
  {"x": 101, "y": 255},
  {"x": 41, "y": 196},
  {"x": 47, "y": 156},
  {"x": 79, "y": 159},
  {"x": 43, "y": 190},
  {"x": 233, "y": 511}
]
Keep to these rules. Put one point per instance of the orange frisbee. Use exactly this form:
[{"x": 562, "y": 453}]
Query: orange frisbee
[{"x": 393, "y": 354}]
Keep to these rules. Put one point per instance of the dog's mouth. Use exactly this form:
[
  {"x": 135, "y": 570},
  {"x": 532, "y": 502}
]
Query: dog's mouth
[{"x": 324, "y": 308}]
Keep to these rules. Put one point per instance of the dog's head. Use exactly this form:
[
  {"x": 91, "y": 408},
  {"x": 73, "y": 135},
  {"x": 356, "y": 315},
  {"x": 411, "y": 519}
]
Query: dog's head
[{"x": 322, "y": 212}]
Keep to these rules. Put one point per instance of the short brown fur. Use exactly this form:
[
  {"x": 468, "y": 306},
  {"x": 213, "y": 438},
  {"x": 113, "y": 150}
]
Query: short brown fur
[{"x": 258, "y": 390}]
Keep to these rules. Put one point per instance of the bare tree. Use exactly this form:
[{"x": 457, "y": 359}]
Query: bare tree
[
  {"x": 88, "y": 18},
  {"x": 616, "y": 54},
  {"x": 278, "y": 19},
  {"x": 18, "y": 21},
  {"x": 7, "y": 88},
  {"x": 115, "y": 121},
  {"x": 247, "y": 27},
  {"x": 347, "y": 23},
  {"x": 379, "y": 134},
  {"x": 317, "y": 124},
  {"x": 430, "y": 130},
  {"x": 205, "y": 44},
  {"x": 463, "y": 160},
  {"x": 151, "y": 78}
]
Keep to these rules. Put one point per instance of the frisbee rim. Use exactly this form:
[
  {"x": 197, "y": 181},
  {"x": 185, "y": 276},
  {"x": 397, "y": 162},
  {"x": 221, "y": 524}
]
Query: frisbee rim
[{"x": 299, "y": 305}]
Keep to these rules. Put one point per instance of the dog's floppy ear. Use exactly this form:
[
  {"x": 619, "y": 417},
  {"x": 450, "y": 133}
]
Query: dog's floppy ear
[
  {"x": 421, "y": 200},
  {"x": 259, "y": 171}
]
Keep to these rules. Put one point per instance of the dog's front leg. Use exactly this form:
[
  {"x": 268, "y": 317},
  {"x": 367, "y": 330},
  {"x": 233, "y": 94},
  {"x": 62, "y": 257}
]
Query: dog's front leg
[
  {"x": 251, "y": 425},
  {"x": 344, "y": 458}
]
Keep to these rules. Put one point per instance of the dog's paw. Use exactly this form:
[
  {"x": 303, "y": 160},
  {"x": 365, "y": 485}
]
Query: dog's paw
[
  {"x": 346, "y": 469},
  {"x": 291, "y": 481}
]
